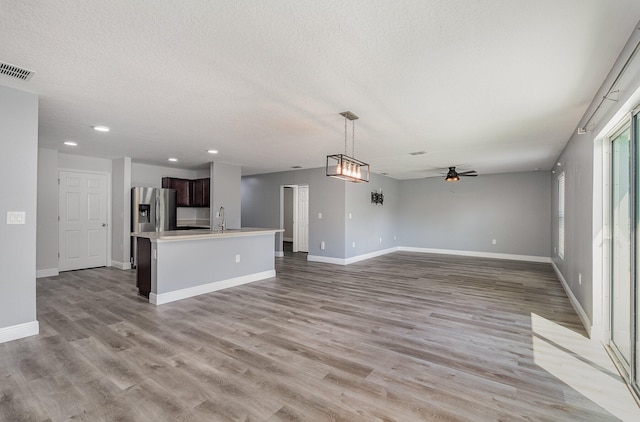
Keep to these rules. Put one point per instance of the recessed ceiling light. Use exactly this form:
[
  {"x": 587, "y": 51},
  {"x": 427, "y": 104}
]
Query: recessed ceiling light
[
  {"x": 71, "y": 143},
  {"x": 212, "y": 151},
  {"x": 173, "y": 160},
  {"x": 101, "y": 128}
]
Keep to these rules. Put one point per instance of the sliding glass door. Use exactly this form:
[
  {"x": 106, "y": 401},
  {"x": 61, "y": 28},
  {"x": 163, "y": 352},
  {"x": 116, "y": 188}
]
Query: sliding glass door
[
  {"x": 635, "y": 287},
  {"x": 625, "y": 249},
  {"x": 621, "y": 254}
]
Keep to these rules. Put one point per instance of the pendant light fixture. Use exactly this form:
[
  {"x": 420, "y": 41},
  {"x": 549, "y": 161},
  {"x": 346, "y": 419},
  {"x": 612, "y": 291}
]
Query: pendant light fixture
[{"x": 344, "y": 167}]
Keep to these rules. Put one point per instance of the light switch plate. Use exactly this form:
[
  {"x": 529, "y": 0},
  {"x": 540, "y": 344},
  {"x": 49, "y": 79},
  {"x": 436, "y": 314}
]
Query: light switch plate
[{"x": 16, "y": 217}]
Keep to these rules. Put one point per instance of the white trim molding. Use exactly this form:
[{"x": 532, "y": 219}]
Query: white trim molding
[
  {"x": 121, "y": 265},
  {"x": 162, "y": 298},
  {"x": 574, "y": 301},
  {"x": 347, "y": 261},
  {"x": 326, "y": 259},
  {"x": 18, "y": 331},
  {"x": 513, "y": 257},
  {"x": 48, "y": 272},
  {"x": 279, "y": 254}
]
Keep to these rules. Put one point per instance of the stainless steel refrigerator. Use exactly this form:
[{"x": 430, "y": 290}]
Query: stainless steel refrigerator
[{"x": 152, "y": 210}]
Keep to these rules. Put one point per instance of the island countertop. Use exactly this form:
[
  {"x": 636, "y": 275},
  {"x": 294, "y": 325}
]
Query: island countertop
[{"x": 176, "y": 235}]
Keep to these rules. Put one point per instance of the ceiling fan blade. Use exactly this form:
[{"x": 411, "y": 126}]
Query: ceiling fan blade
[
  {"x": 467, "y": 175},
  {"x": 464, "y": 173}
]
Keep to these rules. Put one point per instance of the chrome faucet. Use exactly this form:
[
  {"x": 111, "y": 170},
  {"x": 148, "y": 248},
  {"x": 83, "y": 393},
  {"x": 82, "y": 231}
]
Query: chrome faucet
[{"x": 223, "y": 224}]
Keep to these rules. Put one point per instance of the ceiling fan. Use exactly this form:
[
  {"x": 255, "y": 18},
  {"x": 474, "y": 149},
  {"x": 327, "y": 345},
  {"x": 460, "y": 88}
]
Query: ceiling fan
[{"x": 454, "y": 176}]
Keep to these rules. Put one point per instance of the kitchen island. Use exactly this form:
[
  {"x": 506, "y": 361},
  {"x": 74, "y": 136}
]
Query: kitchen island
[{"x": 174, "y": 265}]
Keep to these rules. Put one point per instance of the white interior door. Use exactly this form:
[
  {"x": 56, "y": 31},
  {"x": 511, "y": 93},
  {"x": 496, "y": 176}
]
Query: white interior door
[
  {"x": 83, "y": 220},
  {"x": 303, "y": 218}
]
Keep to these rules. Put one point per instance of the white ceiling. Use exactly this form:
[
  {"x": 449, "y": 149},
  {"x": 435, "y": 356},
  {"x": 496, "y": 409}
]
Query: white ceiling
[{"x": 494, "y": 85}]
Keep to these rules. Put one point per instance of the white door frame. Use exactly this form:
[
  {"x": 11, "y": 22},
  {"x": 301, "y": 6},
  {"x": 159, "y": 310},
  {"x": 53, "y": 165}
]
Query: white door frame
[
  {"x": 301, "y": 228},
  {"x": 295, "y": 218},
  {"x": 295, "y": 215},
  {"x": 109, "y": 222}
]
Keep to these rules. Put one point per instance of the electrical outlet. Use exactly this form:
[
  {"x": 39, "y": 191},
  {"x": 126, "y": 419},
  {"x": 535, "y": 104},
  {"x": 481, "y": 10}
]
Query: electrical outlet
[
  {"x": 380, "y": 240},
  {"x": 395, "y": 238},
  {"x": 349, "y": 216},
  {"x": 16, "y": 217},
  {"x": 580, "y": 278},
  {"x": 237, "y": 258},
  {"x": 322, "y": 245},
  {"x": 353, "y": 245},
  {"x": 319, "y": 216},
  {"x": 494, "y": 241}
]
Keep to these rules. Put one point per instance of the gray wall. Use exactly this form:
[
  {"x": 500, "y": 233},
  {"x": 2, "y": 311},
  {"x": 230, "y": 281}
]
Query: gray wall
[
  {"x": 19, "y": 170},
  {"x": 83, "y": 163},
  {"x": 585, "y": 241},
  {"x": 261, "y": 206},
  {"x": 577, "y": 165},
  {"x": 512, "y": 208},
  {"x": 370, "y": 222},
  {"x": 151, "y": 176},
  {"x": 47, "y": 230},
  {"x": 225, "y": 192}
]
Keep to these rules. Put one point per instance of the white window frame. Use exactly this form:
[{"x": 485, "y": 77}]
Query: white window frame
[{"x": 561, "y": 214}]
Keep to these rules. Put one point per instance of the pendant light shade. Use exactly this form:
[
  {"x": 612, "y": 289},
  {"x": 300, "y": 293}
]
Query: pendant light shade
[
  {"x": 341, "y": 166},
  {"x": 344, "y": 167}
]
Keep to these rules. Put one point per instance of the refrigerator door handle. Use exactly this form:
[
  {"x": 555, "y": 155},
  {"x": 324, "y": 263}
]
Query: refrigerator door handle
[{"x": 157, "y": 211}]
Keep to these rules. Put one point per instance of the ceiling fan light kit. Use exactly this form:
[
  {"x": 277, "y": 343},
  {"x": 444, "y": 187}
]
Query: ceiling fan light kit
[
  {"x": 344, "y": 167},
  {"x": 454, "y": 176}
]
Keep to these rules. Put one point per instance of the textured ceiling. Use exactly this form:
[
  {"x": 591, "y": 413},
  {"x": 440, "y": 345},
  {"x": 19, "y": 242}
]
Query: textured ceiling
[{"x": 495, "y": 85}]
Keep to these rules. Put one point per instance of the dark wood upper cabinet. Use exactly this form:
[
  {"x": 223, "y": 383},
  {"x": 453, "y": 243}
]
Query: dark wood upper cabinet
[
  {"x": 190, "y": 193},
  {"x": 182, "y": 187},
  {"x": 200, "y": 192}
]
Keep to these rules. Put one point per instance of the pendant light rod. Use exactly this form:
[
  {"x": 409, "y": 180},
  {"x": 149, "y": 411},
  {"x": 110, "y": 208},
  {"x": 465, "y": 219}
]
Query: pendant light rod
[{"x": 348, "y": 115}]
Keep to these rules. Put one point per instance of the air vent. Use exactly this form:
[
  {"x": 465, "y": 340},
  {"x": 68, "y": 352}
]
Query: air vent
[
  {"x": 296, "y": 167},
  {"x": 15, "y": 71},
  {"x": 418, "y": 153}
]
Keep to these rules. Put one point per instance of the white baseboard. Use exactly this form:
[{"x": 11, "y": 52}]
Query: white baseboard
[
  {"x": 574, "y": 301},
  {"x": 121, "y": 265},
  {"x": 162, "y": 298},
  {"x": 513, "y": 257},
  {"x": 49, "y": 272},
  {"x": 347, "y": 261},
  {"x": 279, "y": 254},
  {"x": 327, "y": 259},
  {"x": 16, "y": 332}
]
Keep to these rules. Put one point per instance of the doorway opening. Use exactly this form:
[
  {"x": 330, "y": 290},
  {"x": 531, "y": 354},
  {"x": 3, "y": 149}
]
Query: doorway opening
[{"x": 294, "y": 219}]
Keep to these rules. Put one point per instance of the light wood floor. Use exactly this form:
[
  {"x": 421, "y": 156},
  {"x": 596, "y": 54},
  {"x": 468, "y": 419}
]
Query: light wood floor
[{"x": 403, "y": 337}]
